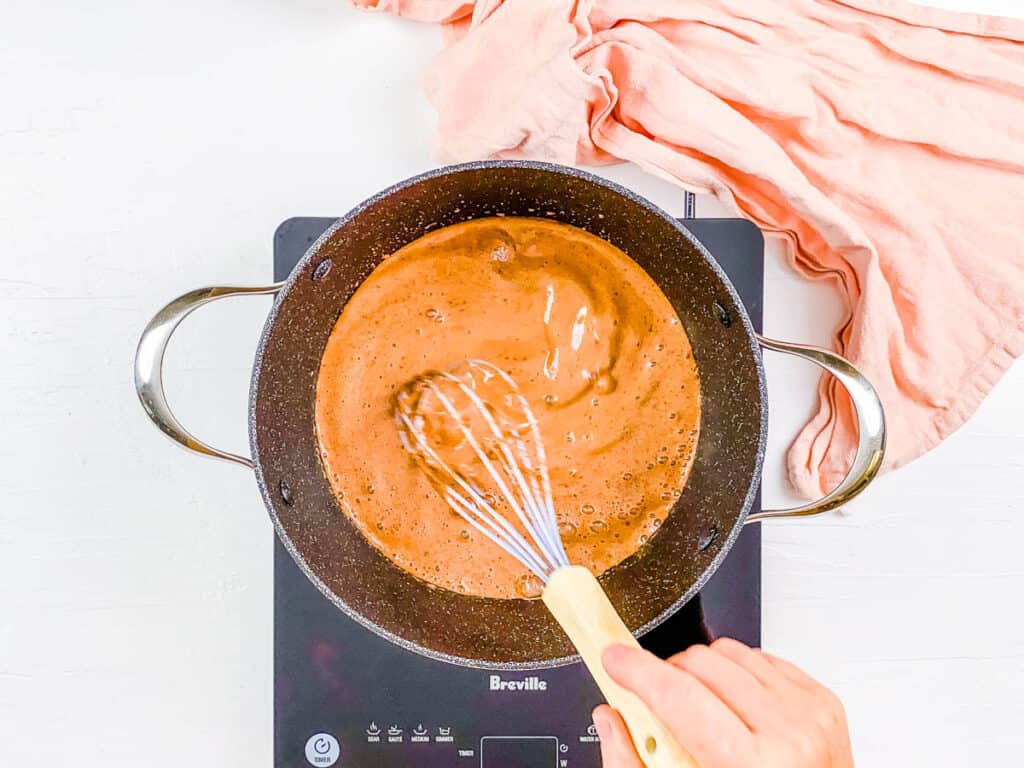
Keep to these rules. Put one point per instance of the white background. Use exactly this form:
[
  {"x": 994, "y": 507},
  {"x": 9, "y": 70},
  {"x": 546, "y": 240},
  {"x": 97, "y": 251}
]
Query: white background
[{"x": 150, "y": 148}]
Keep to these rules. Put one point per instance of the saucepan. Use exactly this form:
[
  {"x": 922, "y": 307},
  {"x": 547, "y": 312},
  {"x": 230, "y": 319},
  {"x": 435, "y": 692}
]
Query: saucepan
[{"x": 647, "y": 587}]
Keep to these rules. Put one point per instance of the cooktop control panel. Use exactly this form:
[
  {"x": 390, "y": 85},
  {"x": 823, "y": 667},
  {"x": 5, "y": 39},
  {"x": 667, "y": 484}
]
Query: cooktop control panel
[
  {"x": 345, "y": 697},
  {"x": 322, "y": 749}
]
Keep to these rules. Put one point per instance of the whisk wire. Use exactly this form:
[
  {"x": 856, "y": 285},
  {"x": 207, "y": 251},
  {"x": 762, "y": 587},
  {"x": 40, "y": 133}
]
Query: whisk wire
[
  {"x": 523, "y": 504},
  {"x": 493, "y": 525},
  {"x": 510, "y": 452},
  {"x": 542, "y": 493},
  {"x": 523, "y": 552}
]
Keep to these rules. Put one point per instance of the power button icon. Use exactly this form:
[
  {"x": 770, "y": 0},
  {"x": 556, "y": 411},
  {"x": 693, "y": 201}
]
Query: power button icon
[{"x": 322, "y": 750}]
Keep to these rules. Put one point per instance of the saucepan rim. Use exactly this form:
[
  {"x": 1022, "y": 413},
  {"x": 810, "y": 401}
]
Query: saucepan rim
[{"x": 312, "y": 252}]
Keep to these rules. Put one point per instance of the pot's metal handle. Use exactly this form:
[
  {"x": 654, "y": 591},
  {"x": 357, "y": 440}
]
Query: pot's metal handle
[
  {"x": 870, "y": 429},
  {"x": 149, "y": 364}
]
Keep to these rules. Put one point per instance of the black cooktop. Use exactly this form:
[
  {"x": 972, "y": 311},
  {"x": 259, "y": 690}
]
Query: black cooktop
[{"x": 344, "y": 696}]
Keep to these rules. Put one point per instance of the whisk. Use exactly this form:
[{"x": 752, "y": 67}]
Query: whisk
[{"x": 475, "y": 436}]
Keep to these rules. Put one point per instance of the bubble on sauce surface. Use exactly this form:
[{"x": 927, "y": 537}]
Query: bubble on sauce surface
[
  {"x": 627, "y": 476},
  {"x": 567, "y": 529},
  {"x": 605, "y": 383},
  {"x": 587, "y": 509},
  {"x": 502, "y": 252},
  {"x": 529, "y": 586},
  {"x": 598, "y": 526}
]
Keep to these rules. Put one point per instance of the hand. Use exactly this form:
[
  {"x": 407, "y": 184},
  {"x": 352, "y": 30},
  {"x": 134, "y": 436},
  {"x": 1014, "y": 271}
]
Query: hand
[{"x": 730, "y": 706}]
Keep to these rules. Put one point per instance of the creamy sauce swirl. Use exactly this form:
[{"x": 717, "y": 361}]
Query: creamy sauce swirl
[{"x": 592, "y": 343}]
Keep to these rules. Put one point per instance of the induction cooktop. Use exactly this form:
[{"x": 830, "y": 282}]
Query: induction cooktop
[{"x": 344, "y": 696}]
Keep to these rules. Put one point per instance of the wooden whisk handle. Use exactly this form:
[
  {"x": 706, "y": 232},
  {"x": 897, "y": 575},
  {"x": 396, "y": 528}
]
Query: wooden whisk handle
[{"x": 579, "y": 604}]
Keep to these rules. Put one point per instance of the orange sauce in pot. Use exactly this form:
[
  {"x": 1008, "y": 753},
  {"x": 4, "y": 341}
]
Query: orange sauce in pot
[{"x": 594, "y": 346}]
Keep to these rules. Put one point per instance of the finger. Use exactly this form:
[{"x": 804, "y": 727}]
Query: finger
[
  {"x": 733, "y": 684},
  {"x": 616, "y": 747},
  {"x": 750, "y": 659},
  {"x": 792, "y": 672},
  {"x": 699, "y": 720}
]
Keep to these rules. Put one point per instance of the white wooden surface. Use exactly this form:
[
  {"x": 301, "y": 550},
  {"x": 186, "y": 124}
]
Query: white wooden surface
[{"x": 148, "y": 148}]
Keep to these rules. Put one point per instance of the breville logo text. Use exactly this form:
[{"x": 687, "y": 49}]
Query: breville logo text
[{"x": 527, "y": 684}]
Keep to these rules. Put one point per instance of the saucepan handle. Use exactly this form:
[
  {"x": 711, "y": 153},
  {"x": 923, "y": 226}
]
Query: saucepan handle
[
  {"x": 870, "y": 429},
  {"x": 149, "y": 364}
]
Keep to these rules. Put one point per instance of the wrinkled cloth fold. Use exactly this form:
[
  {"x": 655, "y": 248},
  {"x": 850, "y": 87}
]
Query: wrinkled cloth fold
[{"x": 884, "y": 141}]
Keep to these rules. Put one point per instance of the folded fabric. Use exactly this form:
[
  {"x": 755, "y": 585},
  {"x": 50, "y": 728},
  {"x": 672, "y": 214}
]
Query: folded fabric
[{"x": 883, "y": 140}]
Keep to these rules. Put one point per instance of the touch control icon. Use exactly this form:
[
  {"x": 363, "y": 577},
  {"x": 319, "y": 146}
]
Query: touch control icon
[{"x": 322, "y": 750}]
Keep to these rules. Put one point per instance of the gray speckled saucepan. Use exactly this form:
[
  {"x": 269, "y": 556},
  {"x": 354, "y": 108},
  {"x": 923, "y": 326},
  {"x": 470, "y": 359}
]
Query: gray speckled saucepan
[{"x": 646, "y": 588}]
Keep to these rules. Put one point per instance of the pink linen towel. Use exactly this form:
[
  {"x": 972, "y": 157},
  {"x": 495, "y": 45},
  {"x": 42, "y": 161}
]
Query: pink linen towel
[{"x": 883, "y": 140}]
